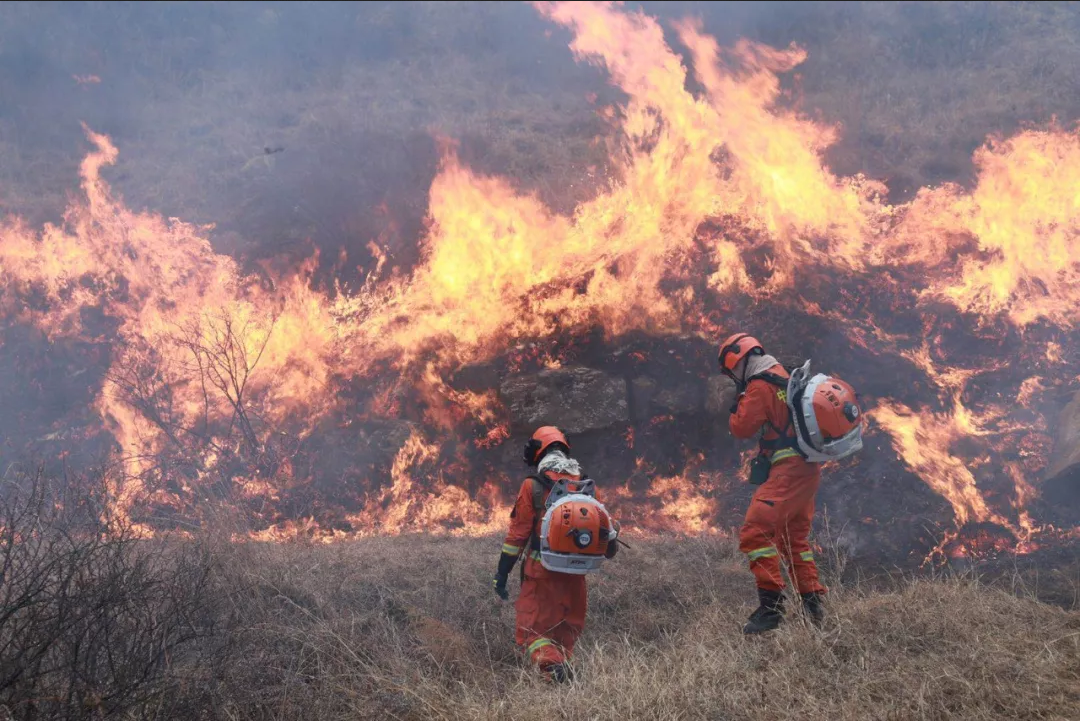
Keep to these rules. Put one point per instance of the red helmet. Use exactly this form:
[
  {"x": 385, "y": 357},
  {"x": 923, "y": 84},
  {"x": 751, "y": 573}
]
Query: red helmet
[
  {"x": 541, "y": 440},
  {"x": 737, "y": 347}
]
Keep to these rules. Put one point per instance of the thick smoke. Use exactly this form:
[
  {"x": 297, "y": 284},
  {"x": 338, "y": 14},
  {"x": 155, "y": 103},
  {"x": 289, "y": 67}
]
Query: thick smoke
[
  {"x": 355, "y": 93},
  {"x": 355, "y": 96}
]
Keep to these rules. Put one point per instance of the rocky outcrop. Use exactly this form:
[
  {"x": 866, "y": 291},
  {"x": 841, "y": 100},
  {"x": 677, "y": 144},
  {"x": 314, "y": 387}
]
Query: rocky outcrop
[
  {"x": 642, "y": 391},
  {"x": 651, "y": 397},
  {"x": 574, "y": 399},
  {"x": 680, "y": 398},
  {"x": 1065, "y": 462},
  {"x": 719, "y": 395}
]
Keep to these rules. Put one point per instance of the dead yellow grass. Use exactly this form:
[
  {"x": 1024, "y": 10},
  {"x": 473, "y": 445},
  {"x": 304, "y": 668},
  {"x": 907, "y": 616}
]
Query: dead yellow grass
[
  {"x": 407, "y": 628},
  {"x": 105, "y": 625}
]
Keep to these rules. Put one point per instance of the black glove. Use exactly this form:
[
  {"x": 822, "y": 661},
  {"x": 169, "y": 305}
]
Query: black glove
[
  {"x": 506, "y": 564},
  {"x": 499, "y": 584},
  {"x": 613, "y": 546}
]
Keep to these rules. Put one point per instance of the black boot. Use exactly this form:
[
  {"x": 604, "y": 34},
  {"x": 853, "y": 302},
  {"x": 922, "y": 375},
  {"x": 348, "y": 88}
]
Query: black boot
[
  {"x": 560, "y": 673},
  {"x": 768, "y": 615},
  {"x": 814, "y": 605}
]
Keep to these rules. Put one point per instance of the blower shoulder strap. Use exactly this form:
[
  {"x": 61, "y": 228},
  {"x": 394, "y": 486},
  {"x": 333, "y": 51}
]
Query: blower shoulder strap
[
  {"x": 784, "y": 440},
  {"x": 540, "y": 486},
  {"x": 546, "y": 488},
  {"x": 770, "y": 378}
]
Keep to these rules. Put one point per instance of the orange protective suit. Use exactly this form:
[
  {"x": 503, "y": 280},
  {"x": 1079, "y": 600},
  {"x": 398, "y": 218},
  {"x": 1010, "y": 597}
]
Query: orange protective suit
[
  {"x": 551, "y": 606},
  {"x": 781, "y": 510}
]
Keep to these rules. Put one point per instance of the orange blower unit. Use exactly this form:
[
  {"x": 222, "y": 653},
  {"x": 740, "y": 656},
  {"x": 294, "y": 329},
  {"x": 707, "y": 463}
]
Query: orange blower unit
[{"x": 576, "y": 529}]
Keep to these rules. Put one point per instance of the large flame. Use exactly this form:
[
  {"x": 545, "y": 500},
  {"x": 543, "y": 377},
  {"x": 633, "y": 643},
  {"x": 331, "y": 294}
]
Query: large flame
[
  {"x": 1025, "y": 214},
  {"x": 923, "y": 441},
  {"x": 212, "y": 367}
]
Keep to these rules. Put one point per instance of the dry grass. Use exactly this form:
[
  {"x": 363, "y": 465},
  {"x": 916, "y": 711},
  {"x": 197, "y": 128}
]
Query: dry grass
[
  {"x": 918, "y": 86},
  {"x": 406, "y": 628},
  {"x": 102, "y": 625}
]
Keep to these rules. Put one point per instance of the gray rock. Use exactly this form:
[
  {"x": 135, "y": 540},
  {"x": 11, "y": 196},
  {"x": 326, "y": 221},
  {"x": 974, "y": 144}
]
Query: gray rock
[
  {"x": 574, "y": 399},
  {"x": 719, "y": 395},
  {"x": 642, "y": 391},
  {"x": 1066, "y": 458},
  {"x": 681, "y": 398}
]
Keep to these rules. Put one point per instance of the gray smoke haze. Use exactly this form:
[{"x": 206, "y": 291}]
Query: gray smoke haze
[{"x": 193, "y": 94}]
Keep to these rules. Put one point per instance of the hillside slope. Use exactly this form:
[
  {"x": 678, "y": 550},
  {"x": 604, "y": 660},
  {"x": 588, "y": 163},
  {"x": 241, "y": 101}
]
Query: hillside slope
[
  {"x": 407, "y": 628},
  {"x": 109, "y": 625}
]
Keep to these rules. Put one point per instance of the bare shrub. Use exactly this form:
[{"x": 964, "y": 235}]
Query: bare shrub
[{"x": 91, "y": 616}]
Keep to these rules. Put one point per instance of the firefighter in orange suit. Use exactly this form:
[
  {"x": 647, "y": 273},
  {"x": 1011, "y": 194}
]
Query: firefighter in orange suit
[
  {"x": 551, "y": 606},
  {"x": 777, "y": 524}
]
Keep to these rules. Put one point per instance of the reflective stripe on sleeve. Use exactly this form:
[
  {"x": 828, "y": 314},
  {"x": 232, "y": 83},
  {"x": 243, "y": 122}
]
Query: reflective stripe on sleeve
[{"x": 511, "y": 550}]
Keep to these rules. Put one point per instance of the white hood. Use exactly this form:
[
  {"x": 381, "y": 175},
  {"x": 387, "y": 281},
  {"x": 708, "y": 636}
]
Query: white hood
[
  {"x": 759, "y": 364},
  {"x": 558, "y": 462}
]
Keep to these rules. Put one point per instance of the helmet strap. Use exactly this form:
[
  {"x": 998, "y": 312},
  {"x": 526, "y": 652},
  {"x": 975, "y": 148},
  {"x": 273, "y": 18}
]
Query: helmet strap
[
  {"x": 532, "y": 447},
  {"x": 745, "y": 362}
]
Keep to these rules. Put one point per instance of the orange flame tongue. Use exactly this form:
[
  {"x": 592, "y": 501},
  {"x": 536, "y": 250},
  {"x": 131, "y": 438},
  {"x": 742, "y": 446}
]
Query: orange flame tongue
[
  {"x": 923, "y": 441},
  {"x": 186, "y": 315},
  {"x": 1025, "y": 213}
]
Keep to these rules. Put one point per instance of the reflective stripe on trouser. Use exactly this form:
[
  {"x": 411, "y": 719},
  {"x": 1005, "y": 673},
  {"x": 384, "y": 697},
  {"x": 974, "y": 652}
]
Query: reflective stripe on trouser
[
  {"x": 766, "y": 552},
  {"x": 778, "y": 526},
  {"x": 545, "y": 652},
  {"x": 538, "y": 644},
  {"x": 550, "y": 613}
]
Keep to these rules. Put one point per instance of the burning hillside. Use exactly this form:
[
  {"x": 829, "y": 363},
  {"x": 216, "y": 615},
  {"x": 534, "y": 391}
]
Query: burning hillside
[{"x": 398, "y": 403}]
